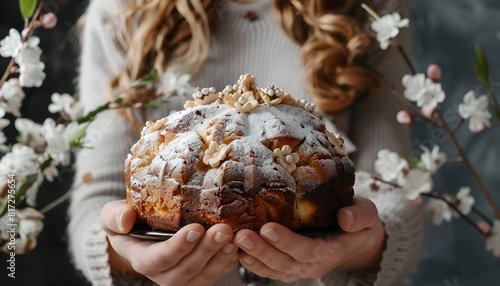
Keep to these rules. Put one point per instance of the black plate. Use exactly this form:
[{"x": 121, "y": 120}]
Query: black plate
[{"x": 144, "y": 231}]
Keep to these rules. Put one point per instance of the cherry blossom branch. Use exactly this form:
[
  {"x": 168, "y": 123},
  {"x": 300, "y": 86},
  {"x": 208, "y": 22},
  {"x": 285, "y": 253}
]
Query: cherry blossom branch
[
  {"x": 412, "y": 106},
  {"x": 387, "y": 182},
  {"x": 454, "y": 207},
  {"x": 425, "y": 119},
  {"x": 403, "y": 54},
  {"x": 31, "y": 26},
  {"x": 482, "y": 215},
  {"x": 459, "y": 124},
  {"x": 456, "y": 159},
  {"x": 7, "y": 71},
  {"x": 467, "y": 163}
]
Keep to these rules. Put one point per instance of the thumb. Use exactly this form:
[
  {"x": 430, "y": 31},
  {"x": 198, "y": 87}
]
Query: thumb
[
  {"x": 117, "y": 217},
  {"x": 360, "y": 215}
]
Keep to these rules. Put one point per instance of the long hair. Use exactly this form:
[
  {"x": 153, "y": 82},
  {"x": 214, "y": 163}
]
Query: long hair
[{"x": 164, "y": 34}]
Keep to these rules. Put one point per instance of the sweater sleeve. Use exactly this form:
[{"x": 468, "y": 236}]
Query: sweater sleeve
[{"x": 110, "y": 137}]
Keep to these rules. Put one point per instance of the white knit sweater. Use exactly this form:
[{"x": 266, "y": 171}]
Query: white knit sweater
[{"x": 238, "y": 46}]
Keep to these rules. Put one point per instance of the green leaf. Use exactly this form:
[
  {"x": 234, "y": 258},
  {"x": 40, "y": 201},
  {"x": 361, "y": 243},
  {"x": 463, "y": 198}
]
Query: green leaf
[
  {"x": 153, "y": 103},
  {"x": 26, "y": 183},
  {"x": 27, "y": 8},
  {"x": 482, "y": 69},
  {"x": 151, "y": 76},
  {"x": 76, "y": 139},
  {"x": 46, "y": 163},
  {"x": 91, "y": 115},
  {"x": 416, "y": 163}
]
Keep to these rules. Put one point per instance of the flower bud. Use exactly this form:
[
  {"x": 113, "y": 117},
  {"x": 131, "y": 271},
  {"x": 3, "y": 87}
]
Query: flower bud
[
  {"x": 404, "y": 117},
  {"x": 484, "y": 227},
  {"x": 416, "y": 201},
  {"x": 476, "y": 129},
  {"x": 48, "y": 20},
  {"x": 427, "y": 111},
  {"x": 434, "y": 72}
]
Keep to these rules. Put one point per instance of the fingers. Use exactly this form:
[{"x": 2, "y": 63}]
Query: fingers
[
  {"x": 263, "y": 270},
  {"x": 362, "y": 214},
  {"x": 279, "y": 250},
  {"x": 117, "y": 217},
  {"x": 286, "y": 241},
  {"x": 219, "y": 265},
  {"x": 192, "y": 264},
  {"x": 256, "y": 246},
  {"x": 150, "y": 258}
]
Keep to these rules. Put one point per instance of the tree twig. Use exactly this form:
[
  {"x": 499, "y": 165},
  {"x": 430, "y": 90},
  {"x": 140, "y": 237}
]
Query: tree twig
[
  {"x": 403, "y": 54},
  {"x": 454, "y": 207},
  {"x": 456, "y": 159},
  {"x": 459, "y": 124},
  {"x": 462, "y": 154}
]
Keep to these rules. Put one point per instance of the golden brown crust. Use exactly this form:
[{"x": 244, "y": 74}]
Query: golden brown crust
[{"x": 217, "y": 164}]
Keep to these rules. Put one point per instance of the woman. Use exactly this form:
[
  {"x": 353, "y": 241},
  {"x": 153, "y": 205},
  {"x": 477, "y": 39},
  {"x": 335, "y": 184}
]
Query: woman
[{"x": 315, "y": 53}]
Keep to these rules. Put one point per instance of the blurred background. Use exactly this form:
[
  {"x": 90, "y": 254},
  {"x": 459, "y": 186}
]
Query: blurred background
[{"x": 444, "y": 32}]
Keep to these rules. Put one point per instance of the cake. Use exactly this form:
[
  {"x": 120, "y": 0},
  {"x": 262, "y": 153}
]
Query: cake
[{"x": 243, "y": 156}]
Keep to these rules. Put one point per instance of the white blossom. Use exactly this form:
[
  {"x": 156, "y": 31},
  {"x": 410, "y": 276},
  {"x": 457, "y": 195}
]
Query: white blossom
[
  {"x": 30, "y": 224},
  {"x": 30, "y": 228},
  {"x": 389, "y": 164},
  {"x": 32, "y": 191},
  {"x": 30, "y": 52},
  {"x": 422, "y": 90},
  {"x": 30, "y": 66},
  {"x": 32, "y": 75},
  {"x": 493, "y": 241},
  {"x": 414, "y": 183},
  {"x": 11, "y": 44},
  {"x": 58, "y": 138},
  {"x": 29, "y": 132},
  {"x": 171, "y": 83},
  {"x": 367, "y": 186},
  {"x": 57, "y": 143},
  {"x": 432, "y": 160},
  {"x": 65, "y": 103},
  {"x": 387, "y": 26},
  {"x": 22, "y": 161},
  {"x": 476, "y": 109},
  {"x": 3, "y": 123},
  {"x": 465, "y": 201},
  {"x": 11, "y": 97},
  {"x": 439, "y": 210},
  {"x": 50, "y": 172}
]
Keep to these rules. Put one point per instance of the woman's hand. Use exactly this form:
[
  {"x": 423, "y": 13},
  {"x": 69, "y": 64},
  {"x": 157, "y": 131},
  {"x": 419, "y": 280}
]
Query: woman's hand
[
  {"x": 281, "y": 254},
  {"x": 192, "y": 256}
]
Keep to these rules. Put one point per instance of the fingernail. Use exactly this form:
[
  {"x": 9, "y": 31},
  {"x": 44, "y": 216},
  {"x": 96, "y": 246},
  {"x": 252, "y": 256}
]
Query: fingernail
[
  {"x": 221, "y": 237},
  {"x": 227, "y": 248},
  {"x": 271, "y": 234},
  {"x": 119, "y": 224},
  {"x": 349, "y": 216},
  {"x": 235, "y": 257},
  {"x": 192, "y": 236},
  {"x": 249, "y": 259},
  {"x": 246, "y": 242}
]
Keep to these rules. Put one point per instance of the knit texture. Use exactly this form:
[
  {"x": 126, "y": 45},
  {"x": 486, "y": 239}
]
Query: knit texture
[{"x": 238, "y": 46}]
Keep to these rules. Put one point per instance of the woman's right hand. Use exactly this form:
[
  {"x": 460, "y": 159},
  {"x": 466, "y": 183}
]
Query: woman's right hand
[{"x": 192, "y": 256}]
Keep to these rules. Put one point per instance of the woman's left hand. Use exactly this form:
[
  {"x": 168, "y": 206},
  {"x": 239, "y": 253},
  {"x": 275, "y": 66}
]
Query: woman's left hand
[{"x": 280, "y": 254}]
